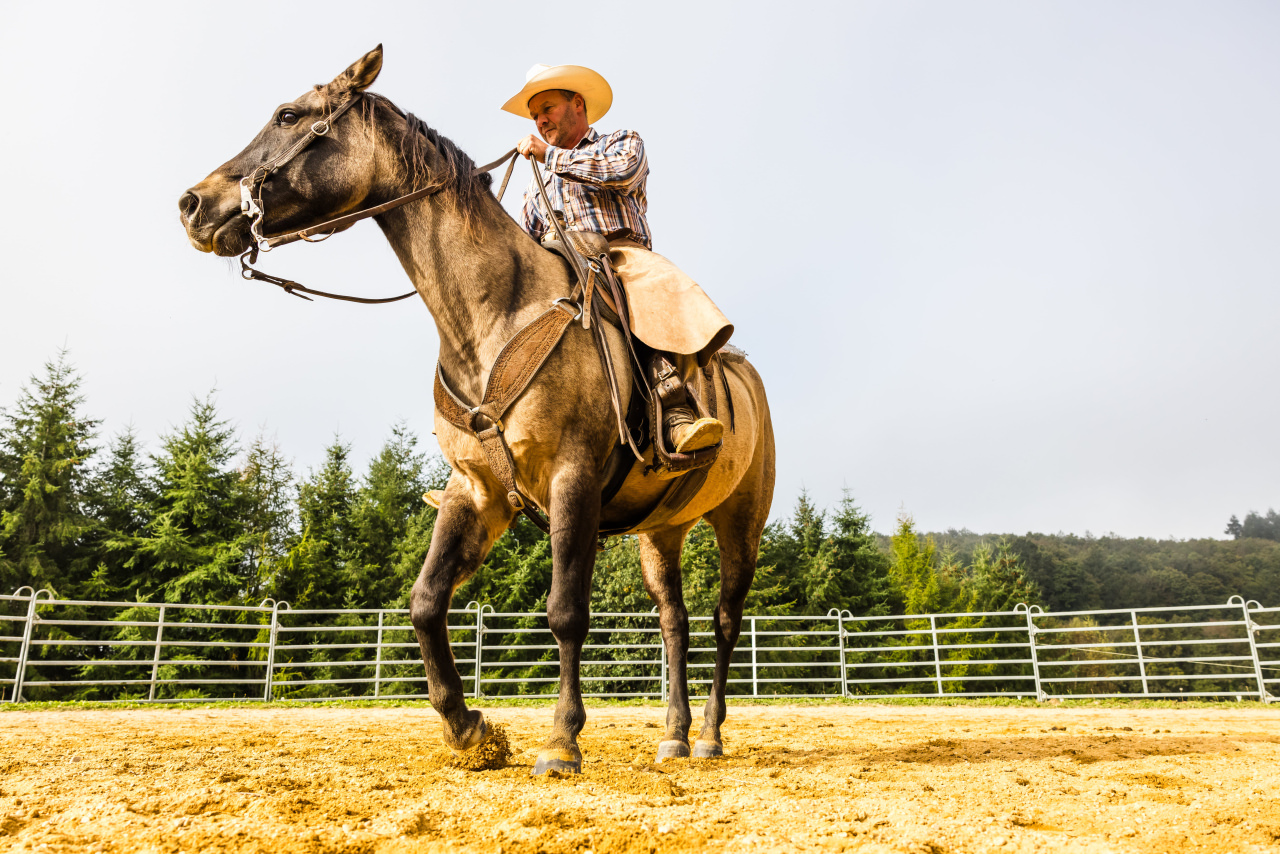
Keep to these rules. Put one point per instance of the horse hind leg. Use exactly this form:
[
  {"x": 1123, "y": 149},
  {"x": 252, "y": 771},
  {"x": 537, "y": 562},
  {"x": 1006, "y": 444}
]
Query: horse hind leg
[
  {"x": 738, "y": 524},
  {"x": 660, "y": 566}
]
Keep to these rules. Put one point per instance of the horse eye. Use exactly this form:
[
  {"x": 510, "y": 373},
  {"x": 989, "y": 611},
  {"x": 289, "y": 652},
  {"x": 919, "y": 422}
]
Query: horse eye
[{"x": 288, "y": 117}]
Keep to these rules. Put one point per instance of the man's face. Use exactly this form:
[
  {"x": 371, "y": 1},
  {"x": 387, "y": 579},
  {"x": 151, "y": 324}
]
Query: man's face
[{"x": 561, "y": 121}]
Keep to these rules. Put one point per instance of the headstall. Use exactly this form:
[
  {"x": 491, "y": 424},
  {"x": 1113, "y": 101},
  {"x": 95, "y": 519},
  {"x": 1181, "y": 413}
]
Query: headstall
[{"x": 252, "y": 207}]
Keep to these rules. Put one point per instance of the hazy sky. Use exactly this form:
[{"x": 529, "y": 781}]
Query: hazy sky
[{"x": 1009, "y": 266}]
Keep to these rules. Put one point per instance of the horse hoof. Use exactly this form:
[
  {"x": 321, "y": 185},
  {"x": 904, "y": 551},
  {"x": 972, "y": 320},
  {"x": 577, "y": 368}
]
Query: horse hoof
[
  {"x": 557, "y": 763},
  {"x": 672, "y": 749},
  {"x": 706, "y": 749},
  {"x": 472, "y": 737}
]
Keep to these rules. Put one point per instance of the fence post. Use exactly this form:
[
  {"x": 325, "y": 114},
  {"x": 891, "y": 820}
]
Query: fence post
[
  {"x": 1137, "y": 643},
  {"x": 1251, "y": 631},
  {"x": 25, "y": 653},
  {"x": 155, "y": 659},
  {"x": 844, "y": 670},
  {"x": 662, "y": 668},
  {"x": 377, "y": 668},
  {"x": 21, "y": 667},
  {"x": 662, "y": 657},
  {"x": 1032, "y": 631},
  {"x": 755, "y": 670},
  {"x": 479, "y": 643},
  {"x": 271, "y": 647},
  {"x": 937, "y": 662}
]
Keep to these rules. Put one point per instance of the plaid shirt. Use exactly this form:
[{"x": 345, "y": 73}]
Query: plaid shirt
[{"x": 599, "y": 184}]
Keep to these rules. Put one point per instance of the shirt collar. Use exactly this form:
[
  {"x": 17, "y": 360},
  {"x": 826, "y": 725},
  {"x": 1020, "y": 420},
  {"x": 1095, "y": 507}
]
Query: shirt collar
[{"x": 588, "y": 138}]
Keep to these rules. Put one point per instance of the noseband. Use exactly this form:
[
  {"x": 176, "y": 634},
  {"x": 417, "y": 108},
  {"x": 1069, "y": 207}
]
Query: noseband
[{"x": 252, "y": 207}]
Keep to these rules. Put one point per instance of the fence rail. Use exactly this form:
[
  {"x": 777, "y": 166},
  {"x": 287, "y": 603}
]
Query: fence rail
[{"x": 165, "y": 652}]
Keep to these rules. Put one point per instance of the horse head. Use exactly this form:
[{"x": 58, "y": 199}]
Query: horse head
[{"x": 333, "y": 174}]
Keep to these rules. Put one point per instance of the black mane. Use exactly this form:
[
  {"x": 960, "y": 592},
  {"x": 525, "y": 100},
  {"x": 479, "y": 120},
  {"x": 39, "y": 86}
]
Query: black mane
[{"x": 452, "y": 166}]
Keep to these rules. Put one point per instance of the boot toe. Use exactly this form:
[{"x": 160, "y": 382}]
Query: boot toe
[{"x": 702, "y": 433}]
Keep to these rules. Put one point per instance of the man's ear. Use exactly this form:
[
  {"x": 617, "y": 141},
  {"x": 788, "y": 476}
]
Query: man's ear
[{"x": 361, "y": 74}]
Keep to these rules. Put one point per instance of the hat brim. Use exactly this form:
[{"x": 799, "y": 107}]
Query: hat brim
[{"x": 593, "y": 88}]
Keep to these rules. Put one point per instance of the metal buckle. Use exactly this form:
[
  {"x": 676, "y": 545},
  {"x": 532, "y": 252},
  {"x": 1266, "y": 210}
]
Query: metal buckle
[
  {"x": 316, "y": 128},
  {"x": 572, "y": 306}
]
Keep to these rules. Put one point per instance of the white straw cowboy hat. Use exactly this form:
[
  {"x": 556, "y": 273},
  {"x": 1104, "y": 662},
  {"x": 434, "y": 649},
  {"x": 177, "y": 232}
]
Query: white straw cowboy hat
[{"x": 593, "y": 88}]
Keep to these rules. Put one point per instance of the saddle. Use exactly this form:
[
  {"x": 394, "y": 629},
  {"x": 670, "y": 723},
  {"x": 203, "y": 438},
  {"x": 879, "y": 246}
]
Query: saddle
[{"x": 597, "y": 298}]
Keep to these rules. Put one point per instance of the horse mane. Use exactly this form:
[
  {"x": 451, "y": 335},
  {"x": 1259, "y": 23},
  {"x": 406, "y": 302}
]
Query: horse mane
[{"x": 452, "y": 166}]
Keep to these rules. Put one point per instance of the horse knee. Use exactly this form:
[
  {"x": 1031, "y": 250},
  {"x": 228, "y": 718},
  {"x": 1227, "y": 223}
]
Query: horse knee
[
  {"x": 427, "y": 610},
  {"x": 674, "y": 622},
  {"x": 567, "y": 618},
  {"x": 728, "y": 622}
]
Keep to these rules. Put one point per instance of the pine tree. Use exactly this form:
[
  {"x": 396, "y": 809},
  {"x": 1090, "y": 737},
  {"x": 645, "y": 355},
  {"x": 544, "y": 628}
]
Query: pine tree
[
  {"x": 389, "y": 498},
  {"x": 266, "y": 487},
  {"x": 195, "y": 544},
  {"x": 120, "y": 499},
  {"x": 312, "y": 574},
  {"x": 45, "y": 457},
  {"x": 849, "y": 572},
  {"x": 998, "y": 580},
  {"x": 914, "y": 571}
]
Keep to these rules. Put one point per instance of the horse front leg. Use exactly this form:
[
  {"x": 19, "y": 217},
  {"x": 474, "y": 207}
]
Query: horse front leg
[
  {"x": 575, "y": 523},
  {"x": 459, "y": 543}
]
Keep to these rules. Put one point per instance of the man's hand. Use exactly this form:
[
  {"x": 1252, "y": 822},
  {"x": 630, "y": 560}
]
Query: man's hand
[{"x": 532, "y": 146}]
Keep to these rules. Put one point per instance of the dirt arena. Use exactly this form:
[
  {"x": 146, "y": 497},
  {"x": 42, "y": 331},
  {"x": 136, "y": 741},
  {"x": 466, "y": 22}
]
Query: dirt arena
[{"x": 811, "y": 778}]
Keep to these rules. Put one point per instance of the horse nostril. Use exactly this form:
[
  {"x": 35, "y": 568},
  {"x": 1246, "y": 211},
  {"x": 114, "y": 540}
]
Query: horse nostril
[{"x": 188, "y": 205}]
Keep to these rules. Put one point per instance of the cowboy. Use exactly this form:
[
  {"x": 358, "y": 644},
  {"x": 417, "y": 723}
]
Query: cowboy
[{"x": 597, "y": 182}]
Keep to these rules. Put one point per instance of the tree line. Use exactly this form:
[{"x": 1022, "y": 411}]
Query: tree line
[{"x": 208, "y": 518}]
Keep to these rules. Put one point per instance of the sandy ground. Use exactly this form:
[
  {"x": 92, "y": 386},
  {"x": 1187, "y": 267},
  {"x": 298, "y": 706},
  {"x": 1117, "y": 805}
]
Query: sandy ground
[{"x": 815, "y": 778}]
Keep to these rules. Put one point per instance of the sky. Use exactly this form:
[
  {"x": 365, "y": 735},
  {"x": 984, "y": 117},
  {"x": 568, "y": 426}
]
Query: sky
[{"x": 1003, "y": 266}]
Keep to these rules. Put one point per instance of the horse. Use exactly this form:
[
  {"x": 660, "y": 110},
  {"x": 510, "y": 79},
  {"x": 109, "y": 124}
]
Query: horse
[{"x": 482, "y": 278}]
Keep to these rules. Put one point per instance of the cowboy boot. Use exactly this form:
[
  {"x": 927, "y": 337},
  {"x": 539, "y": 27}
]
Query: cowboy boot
[{"x": 684, "y": 431}]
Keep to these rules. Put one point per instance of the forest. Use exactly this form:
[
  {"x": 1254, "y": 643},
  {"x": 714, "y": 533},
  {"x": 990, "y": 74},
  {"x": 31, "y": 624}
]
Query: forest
[{"x": 204, "y": 516}]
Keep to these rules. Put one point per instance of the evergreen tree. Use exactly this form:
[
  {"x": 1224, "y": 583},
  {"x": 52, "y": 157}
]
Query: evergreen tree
[
  {"x": 849, "y": 572},
  {"x": 266, "y": 491},
  {"x": 313, "y": 572},
  {"x": 195, "y": 544},
  {"x": 1261, "y": 527},
  {"x": 120, "y": 499},
  {"x": 45, "y": 456},
  {"x": 388, "y": 499},
  {"x": 913, "y": 568},
  {"x": 998, "y": 580}
]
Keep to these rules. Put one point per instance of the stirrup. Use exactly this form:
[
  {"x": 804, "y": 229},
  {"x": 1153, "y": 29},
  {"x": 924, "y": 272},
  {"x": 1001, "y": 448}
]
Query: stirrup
[{"x": 670, "y": 393}]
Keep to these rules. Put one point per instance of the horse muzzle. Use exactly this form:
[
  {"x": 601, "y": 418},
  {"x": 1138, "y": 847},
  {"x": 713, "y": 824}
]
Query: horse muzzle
[{"x": 212, "y": 218}]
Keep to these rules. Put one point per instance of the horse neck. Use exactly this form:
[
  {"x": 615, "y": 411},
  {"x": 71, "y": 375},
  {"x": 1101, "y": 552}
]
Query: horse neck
[{"x": 481, "y": 286}]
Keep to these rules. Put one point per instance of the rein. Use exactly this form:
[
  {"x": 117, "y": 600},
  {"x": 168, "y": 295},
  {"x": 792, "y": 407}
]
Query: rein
[{"x": 251, "y": 206}]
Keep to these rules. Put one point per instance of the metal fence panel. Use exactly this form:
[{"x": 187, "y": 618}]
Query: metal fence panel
[{"x": 171, "y": 652}]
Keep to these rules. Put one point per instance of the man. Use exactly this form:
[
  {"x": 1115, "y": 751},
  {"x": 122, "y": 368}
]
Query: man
[{"x": 598, "y": 182}]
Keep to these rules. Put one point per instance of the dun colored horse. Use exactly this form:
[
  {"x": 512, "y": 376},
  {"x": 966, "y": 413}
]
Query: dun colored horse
[{"x": 482, "y": 278}]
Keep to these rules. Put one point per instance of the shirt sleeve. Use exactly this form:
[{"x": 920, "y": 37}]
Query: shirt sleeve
[
  {"x": 616, "y": 161},
  {"x": 530, "y": 217}
]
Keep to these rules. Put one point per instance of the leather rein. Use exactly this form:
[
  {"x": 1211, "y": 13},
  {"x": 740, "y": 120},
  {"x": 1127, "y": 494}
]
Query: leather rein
[{"x": 252, "y": 207}]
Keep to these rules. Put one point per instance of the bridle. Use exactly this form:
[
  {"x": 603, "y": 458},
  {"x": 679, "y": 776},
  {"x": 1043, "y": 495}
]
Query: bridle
[{"x": 252, "y": 207}]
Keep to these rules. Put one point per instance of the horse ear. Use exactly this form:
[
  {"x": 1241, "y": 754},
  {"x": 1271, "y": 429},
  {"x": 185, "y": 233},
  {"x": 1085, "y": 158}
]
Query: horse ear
[{"x": 361, "y": 74}]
